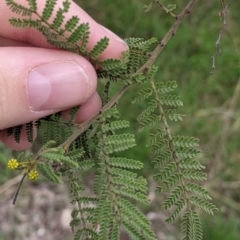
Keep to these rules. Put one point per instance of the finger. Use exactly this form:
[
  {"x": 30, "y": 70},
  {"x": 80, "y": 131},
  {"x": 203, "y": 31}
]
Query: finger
[
  {"x": 11, "y": 142},
  {"x": 6, "y": 42},
  {"x": 87, "y": 110},
  {"x": 32, "y": 36},
  {"x": 38, "y": 82}
]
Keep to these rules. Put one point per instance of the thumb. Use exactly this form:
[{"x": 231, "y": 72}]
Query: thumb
[{"x": 37, "y": 82}]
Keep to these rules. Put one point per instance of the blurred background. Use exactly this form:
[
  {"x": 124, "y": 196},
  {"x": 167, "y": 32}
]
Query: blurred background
[{"x": 211, "y": 106}]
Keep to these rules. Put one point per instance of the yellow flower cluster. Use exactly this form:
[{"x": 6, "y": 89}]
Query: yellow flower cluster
[
  {"x": 13, "y": 164},
  {"x": 33, "y": 175},
  {"x": 26, "y": 166}
]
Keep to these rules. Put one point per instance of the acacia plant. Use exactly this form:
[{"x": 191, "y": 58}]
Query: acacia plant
[{"x": 68, "y": 149}]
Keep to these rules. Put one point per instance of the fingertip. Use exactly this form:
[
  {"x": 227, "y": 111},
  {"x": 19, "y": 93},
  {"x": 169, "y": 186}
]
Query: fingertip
[
  {"x": 10, "y": 142},
  {"x": 44, "y": 81},
  {"x": 87, "y": 110}
]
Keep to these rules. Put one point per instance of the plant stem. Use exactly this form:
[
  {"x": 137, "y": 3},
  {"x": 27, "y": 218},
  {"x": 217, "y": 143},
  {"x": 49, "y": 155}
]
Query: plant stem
[{"x": 144, "y": 67}]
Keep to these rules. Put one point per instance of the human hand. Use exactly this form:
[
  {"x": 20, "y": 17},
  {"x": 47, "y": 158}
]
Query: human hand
[{"x": 37, "y": 79}]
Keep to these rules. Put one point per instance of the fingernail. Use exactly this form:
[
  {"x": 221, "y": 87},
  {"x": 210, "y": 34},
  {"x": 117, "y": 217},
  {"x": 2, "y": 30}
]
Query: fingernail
[
  {"x": 58, "y": 85},
  {"x": 115, "y": 37}
]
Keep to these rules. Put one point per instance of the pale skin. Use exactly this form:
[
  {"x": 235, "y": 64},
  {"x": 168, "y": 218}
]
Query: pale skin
[{"x": 37, "y": 80}]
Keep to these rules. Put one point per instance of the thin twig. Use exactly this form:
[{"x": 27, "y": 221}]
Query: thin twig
[
  {"x": 18, "y": 189},
  {"x": 82, "y": 127},
  {"x": 118, "y": 95},
  {"x": 172, "y": 31},
  {"x": 153, "y": 55},
  {"x": 170, "y": 143},
  {"x": 147, "y": 65},
  {"x": 164, "y": 8},
  {"x": 223, "y": 15}
]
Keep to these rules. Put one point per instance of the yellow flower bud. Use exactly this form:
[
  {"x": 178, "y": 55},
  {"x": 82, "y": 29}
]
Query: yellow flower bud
[
  {"x": 13, "y": 164},
  {"x": 33, "y": 175}
]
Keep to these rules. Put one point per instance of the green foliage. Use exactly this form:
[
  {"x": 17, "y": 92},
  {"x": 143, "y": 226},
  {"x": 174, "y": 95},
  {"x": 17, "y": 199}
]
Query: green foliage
[
  {"x": 29, "y": 130},
  {"x": 71, "y": 23},
  {"x": 19, "y": 9},
  {"x": 191, "y": 226},
  {"x": 117, "y": 188},
  {"x": 78, "y": 33},
  {"x": 32, "y": 4},
  {"x": 48, "y": 172},
  {"x": 17, "y": 130},
  {"x": 48, "y": 9},
  {"x": 99, "y": 48},
  {"x": 172, "y": 155}
]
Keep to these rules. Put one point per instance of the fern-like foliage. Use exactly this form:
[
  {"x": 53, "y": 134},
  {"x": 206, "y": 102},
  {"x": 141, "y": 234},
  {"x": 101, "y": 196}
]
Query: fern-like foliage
[
  {"x": 71, "y": 36},
  {"x": 174, "y": 156},
  {"x": 116, "y": 185},
  {"x": 117, "y": 189}
]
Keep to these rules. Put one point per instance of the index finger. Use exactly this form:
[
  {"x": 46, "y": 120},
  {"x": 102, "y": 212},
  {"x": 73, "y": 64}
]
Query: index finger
[{"x": 35, "y": 38}]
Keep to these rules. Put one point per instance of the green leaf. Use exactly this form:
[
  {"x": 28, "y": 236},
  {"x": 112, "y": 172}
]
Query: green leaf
[
  {"x": 114, "y": 231},
  {"x": 114, "y": 125},
  {"x": 130, "y": 193},
  {"x": 29, "y": 131},
  {"x": 48, "y": 172},
  {"x": 190, "y": 164},
  {"x": 17, "y": 133},
  {"x": 171, "y": 100},
  {"x": 197, "y": 227},
  {"x": 125, "y": 163},
  {"x": 203, "y": 204},
  {"x": 48, "y": 9},
  {"x": 71, "y": 23},
  {"x": 130, "y": 183},
  {"x": 86, "y": 164},
  {"x": 173, "y": 115},
  {"x": 78, "y": 33},
  {"x": 187, "y": 153},
  {"x": 110, "y": 64},
  {"x": 180, "y": 205},
  {"x": 166, "y": 172},
  {"x": 33, "y": 5},
  {"x": 168, "y": 183},
  {"x": 166, "y": 87},
  {"x": 142, "y": 95},
  {"x": 99, "y": 48},
  {"x": 18, "y": 8},
  {"x": 147, "y": 8},
  {"x": 194, "y": 175},
  {"x": 149, "y": 121},
  {"x": 136, "y": 219},
  {"x": 119, "y": 138},
  {"x": 152, "y": 105},
  {"x": 66, "y": 5},
  {"x": 173, "y": 197},
  {"x": 198, "y": 190},
  {"x": 74, "y": 213},
  {"x": 75, "y": 222},
  {"x": 58, "y": 20},
  {"x": 184, "y": 141},
  {"x": 186, "y": 226}
]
